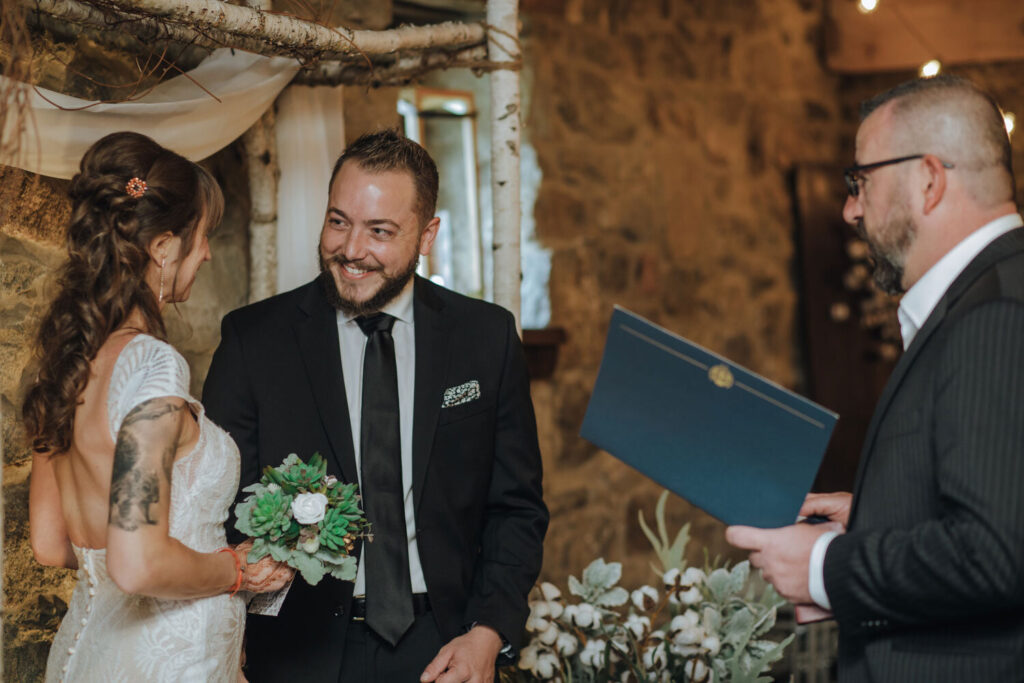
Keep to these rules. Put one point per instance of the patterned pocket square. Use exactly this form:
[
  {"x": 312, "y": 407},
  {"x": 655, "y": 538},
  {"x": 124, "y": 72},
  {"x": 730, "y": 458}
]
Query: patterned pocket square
[{"x": 464, "y": 393}]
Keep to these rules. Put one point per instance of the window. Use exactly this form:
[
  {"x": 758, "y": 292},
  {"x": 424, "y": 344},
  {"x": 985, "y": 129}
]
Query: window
[{"x": 444, "y": 122}]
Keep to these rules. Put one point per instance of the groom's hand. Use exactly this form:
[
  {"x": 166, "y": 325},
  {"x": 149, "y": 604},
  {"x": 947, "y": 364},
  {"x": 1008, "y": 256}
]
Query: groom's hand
[
  {"x": 783, "y": 555},
  {"x": 469, "y": 658}
]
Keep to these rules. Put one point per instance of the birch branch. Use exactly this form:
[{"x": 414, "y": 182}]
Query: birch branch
[
  {"x": 404, "y": 70},
  {"x": 212, "y": 23},
  {"x": 503, "y": 47}
]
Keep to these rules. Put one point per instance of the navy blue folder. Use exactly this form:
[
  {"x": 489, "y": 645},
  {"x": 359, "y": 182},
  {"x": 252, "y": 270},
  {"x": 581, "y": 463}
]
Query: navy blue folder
[{"x": 741, "y": 448}]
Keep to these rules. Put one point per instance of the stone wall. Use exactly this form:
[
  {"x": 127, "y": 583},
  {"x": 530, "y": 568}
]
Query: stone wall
[{"x": 665, "y": 134}]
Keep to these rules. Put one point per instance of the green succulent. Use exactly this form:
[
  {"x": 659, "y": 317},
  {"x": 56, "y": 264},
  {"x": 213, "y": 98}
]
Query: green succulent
[
  {"x": 295, "y": 476},
  {"x": 307, "y": 476},
  {"x": 271, "y": 515},
  {"x": 345, "y": 498},
  {"x": 334, "y": 530}
]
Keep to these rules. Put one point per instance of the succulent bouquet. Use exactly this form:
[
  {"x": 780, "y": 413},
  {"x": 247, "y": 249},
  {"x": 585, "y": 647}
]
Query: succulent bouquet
[
  {"x": 704, "y": 625},
  {"x": 300, "y": 515}
]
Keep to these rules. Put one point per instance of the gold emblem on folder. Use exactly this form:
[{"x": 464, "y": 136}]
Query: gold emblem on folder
[{"x": 721, "y": 376}]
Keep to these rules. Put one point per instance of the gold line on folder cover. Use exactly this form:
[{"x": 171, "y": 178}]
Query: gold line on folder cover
[{"x": 716, "y": 375}]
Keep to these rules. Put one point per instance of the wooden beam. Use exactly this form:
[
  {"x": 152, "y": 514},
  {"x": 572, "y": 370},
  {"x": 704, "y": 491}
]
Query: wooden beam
[{"x": 904, "y": 34}]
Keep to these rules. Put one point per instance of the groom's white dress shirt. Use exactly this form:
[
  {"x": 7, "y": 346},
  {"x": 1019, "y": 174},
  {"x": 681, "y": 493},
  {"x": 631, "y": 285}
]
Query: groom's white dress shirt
[{"x": 353, "y": 347}]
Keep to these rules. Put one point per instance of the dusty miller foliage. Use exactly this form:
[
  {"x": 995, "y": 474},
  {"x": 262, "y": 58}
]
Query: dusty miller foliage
[{"x": 708, "y": 624}]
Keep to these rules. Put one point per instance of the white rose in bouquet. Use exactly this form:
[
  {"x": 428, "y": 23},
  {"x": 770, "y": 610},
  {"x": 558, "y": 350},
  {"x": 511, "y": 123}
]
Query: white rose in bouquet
[{"x": 309, "y": 508}]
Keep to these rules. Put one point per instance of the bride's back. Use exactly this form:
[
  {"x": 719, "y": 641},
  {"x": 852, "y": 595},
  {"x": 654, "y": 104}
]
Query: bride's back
[
  {"x": 136, "y": 238},
  {"x": 84, "y": 471}
]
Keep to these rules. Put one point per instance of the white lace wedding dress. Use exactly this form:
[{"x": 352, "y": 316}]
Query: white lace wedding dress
[{"x": 109, "y": 636}]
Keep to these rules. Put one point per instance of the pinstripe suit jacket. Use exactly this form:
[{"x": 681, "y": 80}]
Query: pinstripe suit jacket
[{"x": 928, "y": 583}]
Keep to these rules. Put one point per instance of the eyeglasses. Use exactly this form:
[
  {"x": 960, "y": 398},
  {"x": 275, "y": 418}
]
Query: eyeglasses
[{"x": 853, "y": 174}]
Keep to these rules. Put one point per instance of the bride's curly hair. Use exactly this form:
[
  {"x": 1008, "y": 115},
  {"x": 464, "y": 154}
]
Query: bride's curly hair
[{"x": 104, "y": 278}]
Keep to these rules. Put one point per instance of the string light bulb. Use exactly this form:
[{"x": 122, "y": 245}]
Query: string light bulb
[
  {"x": 1010, "y": 120},
  {"x": 867, "y": 6},
  {"x": 931, "y": 68}
]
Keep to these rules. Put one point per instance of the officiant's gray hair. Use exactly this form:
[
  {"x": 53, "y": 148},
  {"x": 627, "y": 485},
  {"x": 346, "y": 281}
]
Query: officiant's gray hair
[
  {"x": 954, "y": 119},
  {"x": 388, "y": 150}
]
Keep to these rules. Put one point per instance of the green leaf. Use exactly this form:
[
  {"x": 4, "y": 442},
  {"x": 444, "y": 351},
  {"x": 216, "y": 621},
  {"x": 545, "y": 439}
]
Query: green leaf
[
  {"x": 764, "y": 622},
  {"x": 612, "y": 598},
  {"x": 719, "y": 584},
  {"x": 712, "y": 619},
  {"x": 346, "y": 571},
  {"x": 669, "y": 554},
  {"x": 601, "y": 574},
  {"x": 243, "y": 512},
  {"x": 311, "y": 569},
  {"x": 738, "y": 577},
  {"x": 260, "y": 549},
  {"x": 279, "y": 552}
]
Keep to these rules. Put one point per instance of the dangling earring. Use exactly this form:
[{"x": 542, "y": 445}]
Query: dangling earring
[{"x": 160, "y": 299}]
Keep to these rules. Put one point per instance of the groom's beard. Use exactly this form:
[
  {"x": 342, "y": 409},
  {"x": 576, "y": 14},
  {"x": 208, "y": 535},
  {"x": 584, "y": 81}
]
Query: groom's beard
[{"x": 391, "y": 287}]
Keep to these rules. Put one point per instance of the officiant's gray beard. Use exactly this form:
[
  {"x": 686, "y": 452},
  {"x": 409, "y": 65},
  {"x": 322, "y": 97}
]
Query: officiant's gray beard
[
  {"x": 888, "y": 259},
  {"x": 391, "y": 287}
]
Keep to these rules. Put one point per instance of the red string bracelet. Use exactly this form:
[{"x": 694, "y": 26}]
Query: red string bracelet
[{"x": 238, "y": 568}]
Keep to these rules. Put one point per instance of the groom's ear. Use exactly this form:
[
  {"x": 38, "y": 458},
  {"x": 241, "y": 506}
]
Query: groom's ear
[{"x": 160, "y": 247}]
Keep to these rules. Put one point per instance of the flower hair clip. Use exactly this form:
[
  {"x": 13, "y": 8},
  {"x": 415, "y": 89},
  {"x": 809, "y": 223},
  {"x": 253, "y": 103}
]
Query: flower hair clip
[{"x": 136, "y": 187}]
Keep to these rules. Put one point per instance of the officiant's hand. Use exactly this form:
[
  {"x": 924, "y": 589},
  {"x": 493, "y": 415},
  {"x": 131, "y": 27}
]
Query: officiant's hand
[
  {"x": 266, "y": 576},
  {"x": 783, "y": 555},
  {"x": 835, "y": 506},
  {"x": 469, "y": 658}
]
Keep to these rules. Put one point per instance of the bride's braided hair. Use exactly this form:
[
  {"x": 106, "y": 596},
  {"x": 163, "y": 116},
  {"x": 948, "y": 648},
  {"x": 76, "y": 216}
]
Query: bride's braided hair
[{"x": 103, "y": 279}]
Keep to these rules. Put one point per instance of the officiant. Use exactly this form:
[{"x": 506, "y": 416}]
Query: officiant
[{"x": 927, "y": 580}]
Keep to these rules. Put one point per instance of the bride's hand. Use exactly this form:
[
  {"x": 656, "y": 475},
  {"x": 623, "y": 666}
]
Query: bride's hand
[{"x": 266, "y": 576}]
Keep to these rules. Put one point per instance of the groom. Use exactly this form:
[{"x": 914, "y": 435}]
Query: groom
[{"x": 422, "y": 396}]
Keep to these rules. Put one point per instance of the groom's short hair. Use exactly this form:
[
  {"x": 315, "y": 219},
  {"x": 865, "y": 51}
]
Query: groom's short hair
[{"x": 388, "y": 150}]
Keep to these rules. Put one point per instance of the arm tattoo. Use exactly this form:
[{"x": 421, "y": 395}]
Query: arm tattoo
[
  {"x": 134, "y": 488},
  {"x": 153, "y": 409}
]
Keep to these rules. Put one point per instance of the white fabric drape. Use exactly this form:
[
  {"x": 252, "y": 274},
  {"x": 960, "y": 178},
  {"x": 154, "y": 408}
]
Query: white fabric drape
[
  {"x": 176, "y": 113},
  {"x": 310, "y": 137}
]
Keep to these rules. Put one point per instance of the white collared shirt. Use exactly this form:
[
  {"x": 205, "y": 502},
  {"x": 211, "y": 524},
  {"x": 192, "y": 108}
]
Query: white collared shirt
[
  {"x": 353, "y": 347},
  {"x": 915, "y": 307},
  {"x": 920, "y": 300}
]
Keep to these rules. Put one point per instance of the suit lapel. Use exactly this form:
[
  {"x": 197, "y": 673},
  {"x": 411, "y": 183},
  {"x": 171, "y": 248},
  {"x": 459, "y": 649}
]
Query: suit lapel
[
  {"x": 317, "y": 336},
  {"x": 1003, "y": 247},
  {"x": 431, "y": 369}
]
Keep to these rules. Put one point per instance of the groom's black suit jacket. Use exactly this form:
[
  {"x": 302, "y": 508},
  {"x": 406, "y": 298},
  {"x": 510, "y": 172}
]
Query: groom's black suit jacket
[
  {"x": 276, "y": 386},
  {"x": 928, "y": 583}
]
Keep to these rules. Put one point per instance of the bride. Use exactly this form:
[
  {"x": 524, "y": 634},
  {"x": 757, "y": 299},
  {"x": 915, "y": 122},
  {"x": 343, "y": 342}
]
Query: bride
[{"x": 131, "y": 483}]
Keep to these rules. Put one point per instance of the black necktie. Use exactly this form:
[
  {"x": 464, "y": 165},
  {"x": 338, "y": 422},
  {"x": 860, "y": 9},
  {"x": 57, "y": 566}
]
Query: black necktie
[{"x": 389, "y": 609}]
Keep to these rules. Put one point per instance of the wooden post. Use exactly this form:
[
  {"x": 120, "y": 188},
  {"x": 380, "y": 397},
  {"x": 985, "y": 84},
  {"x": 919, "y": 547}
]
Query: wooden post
[
  {"x": 503, "y": 46},
  {"x": 261, "y": 153}
]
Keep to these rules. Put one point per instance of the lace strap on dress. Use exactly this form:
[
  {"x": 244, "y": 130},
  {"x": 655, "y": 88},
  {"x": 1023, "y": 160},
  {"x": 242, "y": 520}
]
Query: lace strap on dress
[{"x": 147, "y": 368}]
